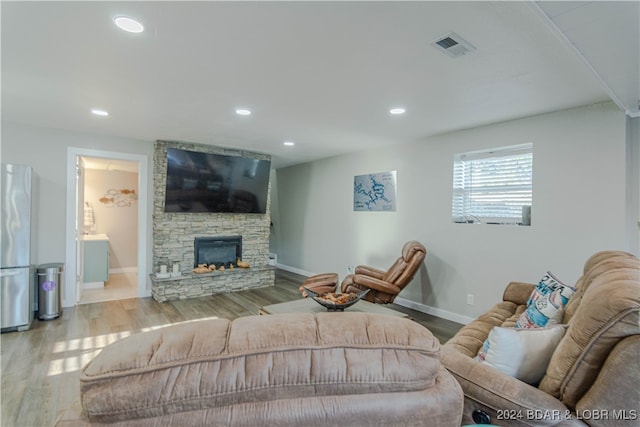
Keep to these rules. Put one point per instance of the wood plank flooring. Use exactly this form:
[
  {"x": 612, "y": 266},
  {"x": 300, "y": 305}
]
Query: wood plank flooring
[
  {"x": 41, "y": 367},
  {"x": 119, "y": 286}
]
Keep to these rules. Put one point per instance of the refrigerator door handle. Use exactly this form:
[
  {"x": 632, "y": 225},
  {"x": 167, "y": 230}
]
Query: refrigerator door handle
[{"x": 10, "y": 272}]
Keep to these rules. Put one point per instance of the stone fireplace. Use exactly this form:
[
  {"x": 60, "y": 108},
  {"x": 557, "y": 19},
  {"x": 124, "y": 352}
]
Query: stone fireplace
[
  {"x": 217, "y": 250},
  {"x": 175, "y": 234}
]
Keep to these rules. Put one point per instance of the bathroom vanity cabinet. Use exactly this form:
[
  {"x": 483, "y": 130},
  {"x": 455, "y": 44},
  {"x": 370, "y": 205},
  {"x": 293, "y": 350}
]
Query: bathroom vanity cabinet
[{"x": 95, "y": 259}]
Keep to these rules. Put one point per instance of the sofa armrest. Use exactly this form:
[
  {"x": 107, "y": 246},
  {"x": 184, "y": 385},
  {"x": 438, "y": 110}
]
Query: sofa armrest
[
  {"x": 506, "y": 400},
  {"x": 518, "y": 292}
]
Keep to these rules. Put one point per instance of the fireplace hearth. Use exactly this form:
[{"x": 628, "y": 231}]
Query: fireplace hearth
[{"x": 217, "y": 250}]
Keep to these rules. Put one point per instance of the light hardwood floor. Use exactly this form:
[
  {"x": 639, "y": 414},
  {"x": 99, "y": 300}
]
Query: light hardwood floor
[
  {"x": 119, "y": 286},
  {"x": 41, "y": 367}
]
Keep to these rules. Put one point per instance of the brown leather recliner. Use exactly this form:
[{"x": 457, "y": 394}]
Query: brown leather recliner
[{"x": 386, "y": 285}]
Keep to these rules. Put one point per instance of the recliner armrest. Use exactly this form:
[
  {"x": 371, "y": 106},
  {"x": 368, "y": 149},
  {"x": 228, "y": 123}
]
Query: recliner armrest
[
  {"x": 374, "y": 283},
  {"x": 369, "y": 271}
]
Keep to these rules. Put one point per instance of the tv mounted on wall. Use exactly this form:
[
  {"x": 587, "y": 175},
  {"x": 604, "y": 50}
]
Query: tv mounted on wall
[{"x": 205, "y": 182}]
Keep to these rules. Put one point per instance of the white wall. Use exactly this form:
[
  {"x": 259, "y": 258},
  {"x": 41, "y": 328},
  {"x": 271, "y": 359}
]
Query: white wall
[
  {"x": 633, "y": 189},
  {"x": 579, "y": 204},
  {"x": 46, "y": 151},
  {"x": 578, "y": 209},
  {"x": 274, "y": 233}
]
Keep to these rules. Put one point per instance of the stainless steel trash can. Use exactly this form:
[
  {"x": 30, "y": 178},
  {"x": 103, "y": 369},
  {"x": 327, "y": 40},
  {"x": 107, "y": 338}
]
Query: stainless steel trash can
[{"x": 49, "y": 293}]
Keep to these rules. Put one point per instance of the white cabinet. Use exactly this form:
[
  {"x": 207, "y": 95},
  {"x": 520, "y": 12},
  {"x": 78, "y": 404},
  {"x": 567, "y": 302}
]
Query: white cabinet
[{"x": 95, "y": 259}]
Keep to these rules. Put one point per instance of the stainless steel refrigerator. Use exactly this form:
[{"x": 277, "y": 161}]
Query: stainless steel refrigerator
[{"x": 17, "y": 269}]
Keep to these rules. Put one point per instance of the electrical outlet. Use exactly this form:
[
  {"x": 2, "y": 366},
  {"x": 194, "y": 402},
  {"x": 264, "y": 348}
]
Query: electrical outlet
[
  {"x": 350, "y": 269},
  {"x": 469, "y": 299}
]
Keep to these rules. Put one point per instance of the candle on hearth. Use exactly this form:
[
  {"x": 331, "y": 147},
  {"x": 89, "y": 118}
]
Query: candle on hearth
[
  {"x": 176, "y": 267},
  {"x": 163, "y": 269}
]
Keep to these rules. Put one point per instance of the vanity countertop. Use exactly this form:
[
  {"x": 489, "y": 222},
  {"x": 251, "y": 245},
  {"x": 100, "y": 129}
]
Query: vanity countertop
[{"x": 93, "y": 237}]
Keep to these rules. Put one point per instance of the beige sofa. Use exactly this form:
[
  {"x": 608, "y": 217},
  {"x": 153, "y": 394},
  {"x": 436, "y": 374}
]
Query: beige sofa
[
  {"x": 593, "y": 375},
  {"x": 328, "y": 369}
]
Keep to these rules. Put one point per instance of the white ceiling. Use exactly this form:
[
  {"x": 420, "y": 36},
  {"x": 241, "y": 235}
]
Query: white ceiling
[{"x": 322, "y": 74}]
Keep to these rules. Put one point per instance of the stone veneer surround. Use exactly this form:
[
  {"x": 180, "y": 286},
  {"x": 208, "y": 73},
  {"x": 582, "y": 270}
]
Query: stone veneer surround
[{"x": 174, "y": 234}]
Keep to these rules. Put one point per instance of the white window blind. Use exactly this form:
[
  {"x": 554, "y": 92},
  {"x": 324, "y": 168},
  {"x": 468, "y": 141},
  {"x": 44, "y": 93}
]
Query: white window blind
[{"x": 492, "y": 186}]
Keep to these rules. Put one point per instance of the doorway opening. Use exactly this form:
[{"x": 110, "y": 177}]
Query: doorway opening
[
  {"x": 108, "y": 223},
  {"x": 106, "y": 227}
]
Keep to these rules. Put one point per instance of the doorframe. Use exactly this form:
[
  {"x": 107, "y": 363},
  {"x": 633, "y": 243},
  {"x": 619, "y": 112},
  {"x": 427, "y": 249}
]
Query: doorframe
[{"x": 69, "y": 290}]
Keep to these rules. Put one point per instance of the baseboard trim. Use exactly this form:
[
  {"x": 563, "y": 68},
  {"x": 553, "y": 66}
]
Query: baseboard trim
[
  {"x": 443, "y": 314},
  {"x": 123, "y": 270},
  {"x": 93, "y": 285},
  {"x": 295, "y": 270}
]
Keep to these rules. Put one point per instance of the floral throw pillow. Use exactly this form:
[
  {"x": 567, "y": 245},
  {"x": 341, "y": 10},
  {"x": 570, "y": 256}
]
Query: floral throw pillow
[{"x": 545, "y": 306}]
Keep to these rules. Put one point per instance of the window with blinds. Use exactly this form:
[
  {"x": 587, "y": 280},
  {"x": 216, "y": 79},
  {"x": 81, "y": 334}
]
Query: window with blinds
[{"x": 493, "y": 186}]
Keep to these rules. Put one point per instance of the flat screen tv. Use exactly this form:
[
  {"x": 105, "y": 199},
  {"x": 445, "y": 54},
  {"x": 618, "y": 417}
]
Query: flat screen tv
[{"x": 205, "y": 182}]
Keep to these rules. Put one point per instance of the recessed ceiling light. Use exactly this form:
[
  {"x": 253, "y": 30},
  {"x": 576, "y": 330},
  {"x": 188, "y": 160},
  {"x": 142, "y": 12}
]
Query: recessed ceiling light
[
  {"x": 243, "y": 112},
  {"x": 398, "y": 110},
  {"x": 99, "y": 112},
  {"x": 289, "y": 143},
  {"x": 128, "y": 24}
]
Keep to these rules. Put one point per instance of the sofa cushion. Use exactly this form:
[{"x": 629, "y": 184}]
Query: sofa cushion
[
  {"x": 607, "y": 314},
  {"x": 470, "y": 337},
  {"x": 213, "y": 363},
  {"x": 521, "y": 353},
  {"x": 545, "y": 306},
  {"x": 439, "y": 406}
]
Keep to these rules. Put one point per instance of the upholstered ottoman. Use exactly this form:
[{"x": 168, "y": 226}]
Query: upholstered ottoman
[{"x": 341, "y": 369}]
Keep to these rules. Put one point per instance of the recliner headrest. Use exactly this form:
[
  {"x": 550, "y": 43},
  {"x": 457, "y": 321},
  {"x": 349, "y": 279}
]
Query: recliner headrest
[{"x": 410, "y": 248}]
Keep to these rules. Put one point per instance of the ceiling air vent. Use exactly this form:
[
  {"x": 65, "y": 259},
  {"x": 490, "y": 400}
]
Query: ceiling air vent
[{"x": 453, "y": 45}]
